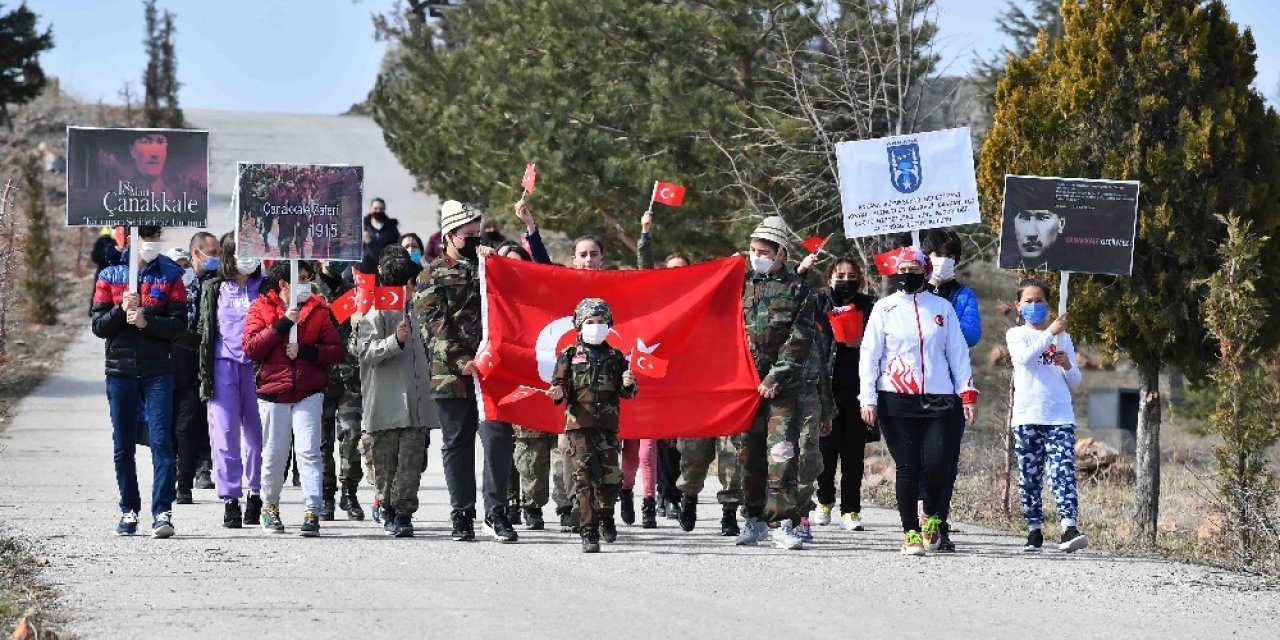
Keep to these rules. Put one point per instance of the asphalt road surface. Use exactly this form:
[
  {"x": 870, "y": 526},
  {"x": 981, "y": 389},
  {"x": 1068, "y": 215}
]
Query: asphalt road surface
[{"x": 355, "y": 582}]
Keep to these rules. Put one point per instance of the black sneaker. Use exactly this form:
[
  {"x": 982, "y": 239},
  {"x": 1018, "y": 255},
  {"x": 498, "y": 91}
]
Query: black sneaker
[
  {"x": 389, "y": 520},
  {"x": 608, "y": 530},
  {"x": 253, "y": 509},
  {"x": 627, "y": 507},
  {"x": 162, "y": 526},
  {"x": 1035, "y": 540},
  {"x": 513, "y": 515},
  {"x": 1073, "y": 540},
  {"x": 310, "y": 525},
  {"x": 403, "y": 526},
  {"x": 649, "y": 514},
  {"x": 183, "y": 497},
  {"x": 944, "y": 538},
  {"x": 463, "y": 529},
  {"x": 232, "y": 518},
  {"x": 566, "y": 520},
  {"x": 533, "y": 519},
  {"x": 351, "y": 504},
  {"x": 688, "y": 511},
  {"x": 591, "y": 542},
  {"x": 673, "y": 511},
  {"x": 662, "y": 507},
  {"x": 497, "y": 525},
  {"x": 328, "y": 509},
  {"x": 729, "y": 521},
  {"x": 204, "y": 478}
]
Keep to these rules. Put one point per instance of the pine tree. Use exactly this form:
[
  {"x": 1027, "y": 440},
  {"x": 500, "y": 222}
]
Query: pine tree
[
  {"x": 21, "y": 78},
  {"x": 1023, "y": 26},
  {"x": 1156, "y": 91},
  {"x": 153, "y": 76},
  {"x": 169, "y": 84},
  {"x": 40, "y": 286}
]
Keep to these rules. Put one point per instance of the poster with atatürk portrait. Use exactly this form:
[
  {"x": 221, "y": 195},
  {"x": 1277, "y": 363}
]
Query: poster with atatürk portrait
[
  {"x": 137, "y": 177},
  {"x": 299, "y": 211},
  {"x": 1069, "y": 224}
]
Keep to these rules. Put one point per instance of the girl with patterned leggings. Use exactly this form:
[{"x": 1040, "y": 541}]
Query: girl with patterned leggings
[{"x": 1044, "y": 373}]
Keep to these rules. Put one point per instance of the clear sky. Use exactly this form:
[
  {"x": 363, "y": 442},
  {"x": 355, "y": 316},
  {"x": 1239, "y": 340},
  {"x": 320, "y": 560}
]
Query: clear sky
[{"x": 319, "y": 56}]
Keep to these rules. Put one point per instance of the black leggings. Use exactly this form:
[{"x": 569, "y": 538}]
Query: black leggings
[
  {"x": 846, "y": 445},
  {"x": 917, "y": 444}
]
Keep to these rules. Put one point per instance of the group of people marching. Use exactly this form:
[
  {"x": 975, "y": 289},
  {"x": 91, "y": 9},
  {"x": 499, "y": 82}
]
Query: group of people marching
[{"x": 225, "y": 359}]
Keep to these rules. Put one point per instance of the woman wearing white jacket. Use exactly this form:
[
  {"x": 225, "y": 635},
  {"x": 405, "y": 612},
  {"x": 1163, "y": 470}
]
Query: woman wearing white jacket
[{"x": 914, "y": 367}]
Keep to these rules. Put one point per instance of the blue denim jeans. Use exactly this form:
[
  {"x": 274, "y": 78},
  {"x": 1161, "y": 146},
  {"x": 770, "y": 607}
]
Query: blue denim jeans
[{"x": 146, "y": 400}]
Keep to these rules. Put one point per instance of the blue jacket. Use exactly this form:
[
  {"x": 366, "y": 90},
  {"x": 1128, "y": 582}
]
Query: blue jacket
[{"x": 965, "y": 302}]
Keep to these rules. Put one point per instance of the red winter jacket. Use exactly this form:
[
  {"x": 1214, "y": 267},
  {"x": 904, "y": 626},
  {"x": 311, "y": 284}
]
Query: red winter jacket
[{"x": 266, "y": 333}]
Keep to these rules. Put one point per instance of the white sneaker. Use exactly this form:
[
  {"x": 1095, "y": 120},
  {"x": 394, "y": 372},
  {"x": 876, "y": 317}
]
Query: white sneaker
[
  {"x": 753, "y": 531},
  {"x": 851, "y": 521},
  {"x": 163, "y": 526},
  {"x": 784, "y": 537},
  {"x": 821, "y": 515}
]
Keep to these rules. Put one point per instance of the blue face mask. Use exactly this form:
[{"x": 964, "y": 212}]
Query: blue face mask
[
  {"x": 211, "y": 264},
  {"x": 1034, "y": 312},
  {"x": 415, "y": 255}
]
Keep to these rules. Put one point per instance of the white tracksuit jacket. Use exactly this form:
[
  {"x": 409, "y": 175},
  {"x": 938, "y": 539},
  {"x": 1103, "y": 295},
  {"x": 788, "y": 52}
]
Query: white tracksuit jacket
[{"x": 913, "y": 345}]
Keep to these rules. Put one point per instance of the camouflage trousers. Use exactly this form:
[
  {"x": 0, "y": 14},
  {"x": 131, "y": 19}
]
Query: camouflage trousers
[
  {"x": 810, "y": 463},
  {"x": 399, "y": 457},
  {"x": 561, "y": 475},
  {"x": 696, "y": 455},
  {"x": 340, "y": 425},
  {"x": 531, "y": 482},
  {"x": 770, "y": 456},
  {"x": 597, "y": 474}
]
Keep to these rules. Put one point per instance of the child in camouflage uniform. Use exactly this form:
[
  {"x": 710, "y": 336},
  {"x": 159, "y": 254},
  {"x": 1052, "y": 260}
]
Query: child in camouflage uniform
[{"x": 591, "y": 377}]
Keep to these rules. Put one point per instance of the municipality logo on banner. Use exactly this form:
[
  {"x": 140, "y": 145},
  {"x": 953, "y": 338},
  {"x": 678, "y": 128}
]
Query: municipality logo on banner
[{"x": 929, "y": 182}]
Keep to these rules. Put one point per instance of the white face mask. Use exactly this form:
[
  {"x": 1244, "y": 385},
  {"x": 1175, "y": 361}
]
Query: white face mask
[
  {"x": 302, "y": 292},
  {"x": 595, "y": 333},
  {"x": 761, "y": 264},
  {"x": 149, "y": 250},
  {"x": 943, "y": 268},
  {"x": 246, "y": 266},
  {"x": 188, "y": 276}
]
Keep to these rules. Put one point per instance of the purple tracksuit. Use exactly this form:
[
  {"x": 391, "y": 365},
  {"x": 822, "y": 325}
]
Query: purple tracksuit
[{"x": 235, "y": 429}]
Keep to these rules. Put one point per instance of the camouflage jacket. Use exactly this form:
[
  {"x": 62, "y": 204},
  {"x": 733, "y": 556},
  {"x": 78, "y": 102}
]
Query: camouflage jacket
[
  {"x": 344, "y": 379},
  {"x": 781, "y": 326},
  {"x": 592, "y": 381},
  {"x": 817, "y": 371},
  {"x": 447, "y": 307}
]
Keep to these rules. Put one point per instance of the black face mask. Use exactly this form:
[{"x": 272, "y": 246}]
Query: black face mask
[
  {"x": 906, "y": 282},
  {"x": 380, "y": 216},
  {"x": 844, "y": 289},
  {"x": 468, "y": 248}
]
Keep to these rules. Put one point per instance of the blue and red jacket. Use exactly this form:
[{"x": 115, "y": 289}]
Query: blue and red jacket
[{"x": 132, "y": 351}]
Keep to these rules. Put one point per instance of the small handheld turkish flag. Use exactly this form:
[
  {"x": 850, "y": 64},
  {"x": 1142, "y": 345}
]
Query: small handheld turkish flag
[
  {"x": 669, "y": 194},
  {"x": 815, "y": 244},
  {"x": 530, "y": 176},
  {"x": 486, "y": 362},
  {"x": 344, "y": 306},
  {"x": 647, "y": 364},
  {"x": 389, "y": 298},
  {"x": 365, "y": 294},
  {"x": 522, "y": 392}
]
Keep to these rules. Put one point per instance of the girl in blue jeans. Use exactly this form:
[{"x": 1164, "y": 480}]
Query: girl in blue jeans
[{"x": 1044, "y": 373}]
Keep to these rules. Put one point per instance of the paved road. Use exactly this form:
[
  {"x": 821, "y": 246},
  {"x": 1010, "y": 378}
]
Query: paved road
[
  {"x": 210, "y": 582},
  {"x": 316, "y": 139}
]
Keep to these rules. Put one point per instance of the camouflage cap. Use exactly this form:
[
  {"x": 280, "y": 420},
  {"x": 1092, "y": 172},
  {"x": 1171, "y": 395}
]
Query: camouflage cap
[{"x": 591, "y": 307}]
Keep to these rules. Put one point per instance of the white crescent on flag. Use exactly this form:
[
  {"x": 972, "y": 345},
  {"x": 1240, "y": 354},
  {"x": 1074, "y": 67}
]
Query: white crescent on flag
[
  {"x": 545, "y": 347},
  {"x": 666, "y": 193}
]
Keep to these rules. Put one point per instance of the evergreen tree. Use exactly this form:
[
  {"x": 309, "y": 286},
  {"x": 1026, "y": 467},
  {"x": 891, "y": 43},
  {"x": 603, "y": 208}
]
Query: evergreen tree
[
  {"x": 1023, "y": 26},
  {"x": 153, "y": 75},
  {"x": 40, "y": 285},
  {"x": 21, "y": 78},
  {"x": 1156, "y": 91},
  {"x": 169, "y": 84}
]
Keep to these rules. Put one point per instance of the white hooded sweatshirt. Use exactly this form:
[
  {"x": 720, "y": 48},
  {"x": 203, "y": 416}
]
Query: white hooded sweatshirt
[{"x": 913, "y": 345}]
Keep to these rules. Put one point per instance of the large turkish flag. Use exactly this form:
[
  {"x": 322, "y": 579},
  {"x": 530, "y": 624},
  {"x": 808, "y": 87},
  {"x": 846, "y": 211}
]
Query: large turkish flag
[{"x": 681, "y": 327}]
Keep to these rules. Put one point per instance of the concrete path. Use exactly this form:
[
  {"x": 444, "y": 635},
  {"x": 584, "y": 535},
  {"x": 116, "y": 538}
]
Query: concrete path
[{"x": 354, "y": 582}]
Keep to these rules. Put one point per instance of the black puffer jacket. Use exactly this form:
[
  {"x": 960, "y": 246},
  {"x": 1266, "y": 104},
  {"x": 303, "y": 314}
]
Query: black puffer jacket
[{"x": 140, "y": 352}]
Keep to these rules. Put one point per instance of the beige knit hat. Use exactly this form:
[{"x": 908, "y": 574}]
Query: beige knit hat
[
  {"x": 773, "y": 229},
  {"x": 454, "y": 214}
]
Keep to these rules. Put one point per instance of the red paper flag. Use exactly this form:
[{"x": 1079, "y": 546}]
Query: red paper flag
[
  {"x": 687, "y": 320},
  {"x": 521, "y": 393},
  {"x": 846, "y": 325},
  {"x": 669, "y": 194},
  {"x": 364, "y": 290},
  {"x": 389, "y": 298},
  {"x": 648, "y": 365},
  {"x": 344, "y": 306},
  {"x": 486, "y": 362},
  {"x": 815, "y": 244},
  {"x": 530, "y": 176}
]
